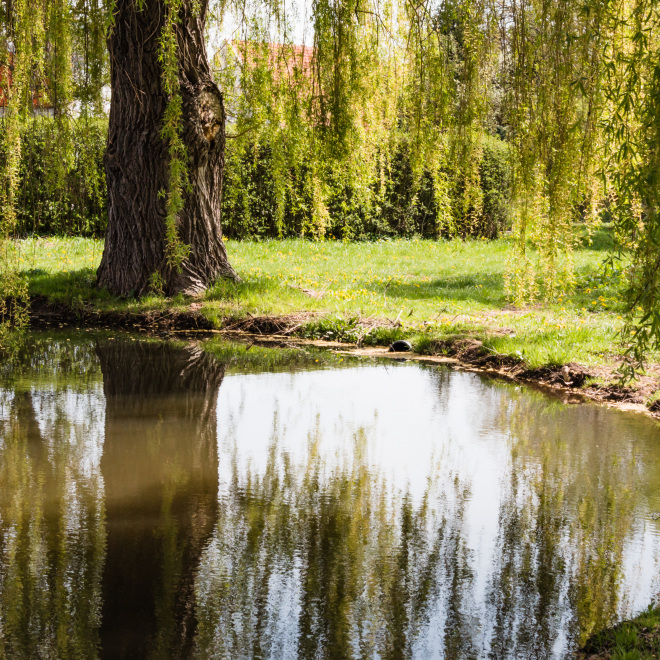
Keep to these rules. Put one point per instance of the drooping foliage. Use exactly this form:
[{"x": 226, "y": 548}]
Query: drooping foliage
[
  {"x": 550, "y": 82},
  {"x": 360, "y": 117},
  {"x": 52, "y": 65},
  {"x": 631, "y": 162},
  {"x": 384, "y": 97}
]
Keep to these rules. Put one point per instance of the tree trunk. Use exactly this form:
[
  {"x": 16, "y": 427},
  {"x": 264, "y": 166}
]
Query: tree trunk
[{"x": 137, "y": 162}]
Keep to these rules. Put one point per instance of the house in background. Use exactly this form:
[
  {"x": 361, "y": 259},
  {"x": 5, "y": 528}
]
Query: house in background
[
  {"x": 284, "y": 61},
  {"x": 41, "y": 106}
]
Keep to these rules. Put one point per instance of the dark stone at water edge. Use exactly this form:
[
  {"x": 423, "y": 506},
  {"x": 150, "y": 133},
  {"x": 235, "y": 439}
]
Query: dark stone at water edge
[{"x": 400, "y": 346}]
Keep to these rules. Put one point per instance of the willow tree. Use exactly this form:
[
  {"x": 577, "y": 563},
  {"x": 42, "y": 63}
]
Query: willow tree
[
  {"x": 552, "y": 107},
  {"x": 165, "y": 154}
]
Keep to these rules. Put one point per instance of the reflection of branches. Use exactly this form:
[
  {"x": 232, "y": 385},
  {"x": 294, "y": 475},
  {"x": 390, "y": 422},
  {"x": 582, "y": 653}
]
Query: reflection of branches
[
  {"x": 24, "y": 411},
  {"x": 309, "y": 558},
  {"x": 52, "y": 537},
  {"x": 563, "y": 527}
]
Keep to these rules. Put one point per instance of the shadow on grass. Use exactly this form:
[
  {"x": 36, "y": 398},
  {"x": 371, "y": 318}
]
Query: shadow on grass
[
  {"x": 602, "y": 240},
  {"x": 478, "y": 288},
  {"x": 65, "y": 286}
]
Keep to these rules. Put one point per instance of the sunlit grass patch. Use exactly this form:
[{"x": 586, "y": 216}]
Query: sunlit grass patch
[
  {"x": 556, "y": 340},
  {"x": 421, "y": 289},
  {"x": 376, "y": 278}
]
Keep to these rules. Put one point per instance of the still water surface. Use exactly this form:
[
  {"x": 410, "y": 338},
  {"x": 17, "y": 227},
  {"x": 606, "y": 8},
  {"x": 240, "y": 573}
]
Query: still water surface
[{"x": 165, "y": 500}]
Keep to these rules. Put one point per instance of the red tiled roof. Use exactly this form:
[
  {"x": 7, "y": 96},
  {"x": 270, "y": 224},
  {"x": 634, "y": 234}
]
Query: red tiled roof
[
  {"x": 6, "y": 81},
  {"x": 283, "y": 59},
  {"x": 5, "y": 84}
]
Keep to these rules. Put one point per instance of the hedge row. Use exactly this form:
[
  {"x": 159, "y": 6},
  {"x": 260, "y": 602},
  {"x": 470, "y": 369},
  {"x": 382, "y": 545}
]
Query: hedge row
[
  {"x": 62, "y": 189},
  {"x": 403, "y": 205},
  {"x": 63, "y": 192}
]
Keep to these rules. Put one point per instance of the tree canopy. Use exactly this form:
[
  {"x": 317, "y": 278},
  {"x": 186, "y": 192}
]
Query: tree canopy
[{"x": 569, "y": 88}]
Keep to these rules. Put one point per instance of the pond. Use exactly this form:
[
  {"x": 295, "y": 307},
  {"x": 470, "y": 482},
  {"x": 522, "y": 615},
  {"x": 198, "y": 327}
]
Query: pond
[{"x": 212, "y": 500}]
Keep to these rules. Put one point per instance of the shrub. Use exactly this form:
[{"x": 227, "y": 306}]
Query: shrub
[
  {"x": 400, "y": 205},
  {"x": 62, "y": 188},
  {"x": 65, "y": 193}
]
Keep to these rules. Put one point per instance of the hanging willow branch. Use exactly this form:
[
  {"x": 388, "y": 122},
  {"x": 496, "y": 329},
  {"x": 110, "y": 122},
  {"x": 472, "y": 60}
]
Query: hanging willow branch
[
  {"x": 176, "y": 251},
  {"x": 25, "y": 40},
  {"x": 632, "y": 164},
  {"x": 53, "y": 53}
]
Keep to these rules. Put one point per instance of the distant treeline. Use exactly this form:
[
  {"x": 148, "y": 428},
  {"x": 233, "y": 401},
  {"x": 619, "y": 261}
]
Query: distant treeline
[{"x": 67, "y": 195}]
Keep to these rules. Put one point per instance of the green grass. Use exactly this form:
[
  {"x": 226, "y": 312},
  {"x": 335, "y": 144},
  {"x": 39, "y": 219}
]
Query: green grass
[
  {"x": 638, "y": 639},
  {"x": 434, "y": 288}
]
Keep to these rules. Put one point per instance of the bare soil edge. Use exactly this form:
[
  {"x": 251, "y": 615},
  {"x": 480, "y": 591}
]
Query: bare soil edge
[
  {"x": 45, "y": 313},
  {"x": 468, "y": 354}
]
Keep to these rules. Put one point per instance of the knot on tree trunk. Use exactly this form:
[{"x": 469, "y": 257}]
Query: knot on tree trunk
[{"x": 211, "y": 113}]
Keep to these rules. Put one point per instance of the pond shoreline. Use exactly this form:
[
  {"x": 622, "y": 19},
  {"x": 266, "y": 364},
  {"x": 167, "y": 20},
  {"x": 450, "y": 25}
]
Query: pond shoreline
[{"x": 572, "y": 380}]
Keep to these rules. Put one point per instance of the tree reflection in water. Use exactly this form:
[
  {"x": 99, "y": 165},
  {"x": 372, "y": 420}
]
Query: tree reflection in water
[
  {"x": 124, "y": 533},
  {"x": 566, "y": 522},
  {"x": 320, "y": 561},
  {"x": 52, "y": 533},
  {"x": 161, "y": 483},
  {"x": 107, "y": 497},
  {"x": 317, "y": 553}
]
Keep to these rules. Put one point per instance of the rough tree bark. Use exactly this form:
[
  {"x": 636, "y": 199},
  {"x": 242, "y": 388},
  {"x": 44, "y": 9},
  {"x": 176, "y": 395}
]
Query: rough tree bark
[{"x": 137, "y": 164}]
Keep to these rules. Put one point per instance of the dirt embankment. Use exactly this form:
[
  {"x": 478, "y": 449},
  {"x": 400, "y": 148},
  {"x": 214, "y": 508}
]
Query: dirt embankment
[
  {"x": 45, "y": 313},
  {"x": 595, "y": 383}
]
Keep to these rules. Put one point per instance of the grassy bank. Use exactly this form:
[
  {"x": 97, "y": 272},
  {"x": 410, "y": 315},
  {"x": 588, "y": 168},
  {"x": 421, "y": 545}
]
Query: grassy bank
[
  {"x": 637, "y": 639},
  {"x": 431, "y": 291}
]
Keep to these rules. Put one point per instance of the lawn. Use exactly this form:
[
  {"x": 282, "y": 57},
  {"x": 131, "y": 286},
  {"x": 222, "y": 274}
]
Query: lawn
[
  {"x": 432, "y": 288},
  {"x": 637, "y": 639}
]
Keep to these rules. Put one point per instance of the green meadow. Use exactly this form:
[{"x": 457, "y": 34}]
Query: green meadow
[{"x": 424, "y": 290}]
